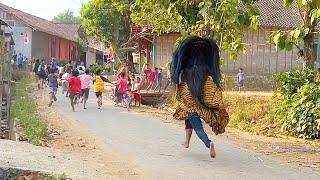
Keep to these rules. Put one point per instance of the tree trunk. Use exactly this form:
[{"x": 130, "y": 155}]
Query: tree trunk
[
  {"x": 308, "y": 58},
  {"x": 124, "y": 60},
  {"x": 130, "y": 62}
]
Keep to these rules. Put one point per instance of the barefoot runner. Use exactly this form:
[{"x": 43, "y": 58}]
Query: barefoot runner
[
  {"x": 52, "y": 85},
  {"x": 196, "y": 72},
  {"x": 65, "y": 81},
  {"x": 98, "y": 84},
  {"x": 86, "y": 80},
  {"x": 74, "y": 88}
]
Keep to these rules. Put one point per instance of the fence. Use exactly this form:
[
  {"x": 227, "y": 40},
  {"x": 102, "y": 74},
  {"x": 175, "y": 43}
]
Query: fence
[{"x": 5, "y": 86}]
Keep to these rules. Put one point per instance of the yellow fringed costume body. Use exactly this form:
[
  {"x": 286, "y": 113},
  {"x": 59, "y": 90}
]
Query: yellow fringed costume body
[{"x": 214, "y": 112}]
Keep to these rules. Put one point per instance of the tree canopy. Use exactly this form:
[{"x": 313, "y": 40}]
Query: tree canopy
[
  {"x": 309, "y": 11},
  {"x": 66, "y": 17},
  {"x": 103, "y": 20},
  {"x": 109, "y": 22},
  {"x": 221, "y": 20}
]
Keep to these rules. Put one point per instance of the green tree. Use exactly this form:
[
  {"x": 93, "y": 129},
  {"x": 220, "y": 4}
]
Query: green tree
[
  {"x": 109, "y": 22},
  {"x": 304, "y": 35},
  {"x": 66, "y": 17},
  {"x": 221, "y": 20}
]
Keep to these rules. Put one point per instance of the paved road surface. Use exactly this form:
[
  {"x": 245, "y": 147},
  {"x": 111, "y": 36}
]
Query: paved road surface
[{"x": 155, "y": 146}]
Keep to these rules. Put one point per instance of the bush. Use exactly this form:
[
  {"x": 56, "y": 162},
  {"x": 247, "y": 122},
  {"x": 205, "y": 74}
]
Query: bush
[
  {"x": 117, "y": 65},
  {"x": 288, "y": 83},
  {"x": 18, "y": 75},
  {"x": 298, "y": 107},
  {"x": 93, "y": 68}
]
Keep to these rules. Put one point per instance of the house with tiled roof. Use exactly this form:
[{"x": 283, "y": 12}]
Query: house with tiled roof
[
  {"x": 261, "y": 57},
  {"x": 36, "y": 37}
]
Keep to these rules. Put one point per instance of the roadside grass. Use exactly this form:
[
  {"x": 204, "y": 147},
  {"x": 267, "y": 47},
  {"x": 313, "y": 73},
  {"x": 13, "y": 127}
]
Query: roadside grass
[
  {"x": 25, "y": 174},
  {"x": 23, "y": 111},
  {"x": 252, "y": 114}
]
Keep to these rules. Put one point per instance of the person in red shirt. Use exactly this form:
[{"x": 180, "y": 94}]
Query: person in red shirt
[
  {"x": 147, "y": 72},
  {"x": 74, "y": 88},
  {"x": 122, "y": 89},
  {"x": 152, "y": 78}
]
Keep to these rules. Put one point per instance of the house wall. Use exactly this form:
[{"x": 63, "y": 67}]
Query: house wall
[
  {"x": 18, "y": 36},
  {"x": 18, "y": 30},
  {"x": 62, "y": 49},
  {"x": 165, "y": 46},
  {"x": 90, "y": 56},
  {"x": 40, "y": 42},
  {"x": 261, "y": 57}
]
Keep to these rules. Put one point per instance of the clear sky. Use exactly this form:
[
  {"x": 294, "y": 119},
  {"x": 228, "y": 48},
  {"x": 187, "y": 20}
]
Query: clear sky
[{"x": 45, "y": 8}]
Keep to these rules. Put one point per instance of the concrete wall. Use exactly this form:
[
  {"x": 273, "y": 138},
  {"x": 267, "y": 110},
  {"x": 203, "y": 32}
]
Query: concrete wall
[
  {"x": 165, "y": 46},
  {"x": 40, "y": 45},
  {"x": 18, "y": 36},
  {"x": 261, "y": 57}
]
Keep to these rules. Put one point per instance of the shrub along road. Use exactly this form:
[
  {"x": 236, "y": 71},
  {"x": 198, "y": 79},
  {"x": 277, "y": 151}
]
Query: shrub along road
[{"x": 155, "y": 146}]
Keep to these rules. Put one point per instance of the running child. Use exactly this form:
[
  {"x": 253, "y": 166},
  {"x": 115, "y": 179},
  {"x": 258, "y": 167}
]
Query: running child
[
  {"x": 64, "y": 80},
  {"x": 41, "y": 74},
  {"x": 121, "y": 93},
  {"x": 53, "y": 86},
  {"x": 86, "y": 79},
  {"x": 98, "y": 84},
  {"x": 74, "y": 88}
]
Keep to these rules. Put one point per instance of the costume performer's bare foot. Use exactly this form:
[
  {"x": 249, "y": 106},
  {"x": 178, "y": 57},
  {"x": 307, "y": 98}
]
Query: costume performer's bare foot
[
  {"x": 212, "y": 151},
  {"x": 186, "y": 145}
]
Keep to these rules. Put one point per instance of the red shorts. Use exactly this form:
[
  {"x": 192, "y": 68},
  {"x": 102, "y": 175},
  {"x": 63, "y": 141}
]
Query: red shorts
[{"x": 137, "y": 96}]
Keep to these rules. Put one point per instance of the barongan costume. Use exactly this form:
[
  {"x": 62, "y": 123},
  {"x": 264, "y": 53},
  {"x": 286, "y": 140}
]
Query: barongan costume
[{"x": 196, "y": 72}]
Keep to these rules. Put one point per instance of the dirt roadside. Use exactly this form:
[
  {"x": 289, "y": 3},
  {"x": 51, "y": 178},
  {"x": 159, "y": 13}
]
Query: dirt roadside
[
  {"x": 69, "y": 136},
  {"x": 287, "y": 149}
]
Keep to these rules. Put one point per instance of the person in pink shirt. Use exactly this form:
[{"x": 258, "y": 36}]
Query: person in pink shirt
[
  {"x": 86, "y": 80},
  {"x": 122, "y": 89}
]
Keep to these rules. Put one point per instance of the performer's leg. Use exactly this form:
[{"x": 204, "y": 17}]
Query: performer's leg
[
  {"x": 196, "y": 124},
  {"x": 188, "y": 134}
]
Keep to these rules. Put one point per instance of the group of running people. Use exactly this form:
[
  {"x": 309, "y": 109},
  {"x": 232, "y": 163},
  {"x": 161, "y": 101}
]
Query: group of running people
[{"x": 76, "y": 82}]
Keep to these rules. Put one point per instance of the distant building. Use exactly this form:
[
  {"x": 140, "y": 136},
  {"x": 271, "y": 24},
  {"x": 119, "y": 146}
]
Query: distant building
[{"x": 36, "y": 37}]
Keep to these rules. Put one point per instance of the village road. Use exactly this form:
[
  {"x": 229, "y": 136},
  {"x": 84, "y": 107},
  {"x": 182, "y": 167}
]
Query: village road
[{"x": 156, "y": 147}]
